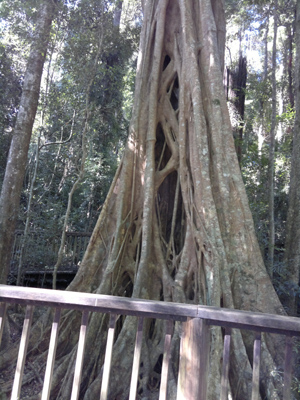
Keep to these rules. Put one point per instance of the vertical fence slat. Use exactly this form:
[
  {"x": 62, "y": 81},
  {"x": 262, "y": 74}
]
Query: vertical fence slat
[
  {"x": 3, "y": 307},
  {"x": 51, "y": 355},
  {"x": 108, "y": 354},
  {"x": 256, "y": 367},
  {"x": 166, "y": 361},
  {"x": 80, "y": 355},
  {"x": 225, "y": 367},
  {"x": 136, "y": 359},
  {"x": 193, "y": 364},
  {"x": 288, "y": 368},
  {"x": 15, "y": 395}
]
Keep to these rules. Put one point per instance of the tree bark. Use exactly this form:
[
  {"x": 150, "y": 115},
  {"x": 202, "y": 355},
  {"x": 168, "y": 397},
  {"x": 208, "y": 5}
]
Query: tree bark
[
  {"x": 17, "y": 158},
  {"x": 236, "y": 95},
  {"x": 176, "y": 224},
  {"x": 292, "y": 245}
]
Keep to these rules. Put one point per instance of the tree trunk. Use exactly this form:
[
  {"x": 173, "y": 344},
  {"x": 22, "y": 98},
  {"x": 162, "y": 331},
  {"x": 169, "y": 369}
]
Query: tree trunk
[
  {"x": 292, "y": 245},
  {"x": 266, "y": 58},
  {"x": 290, "y": 51},
  {"x": 28, "y": 215},
  {"x": 236, "y": 95},
  {"x": 176, "y": 224},
  {"x": 17, "y": 158},
  {"x": 271, "y": 167},
  {"x": 118, "y": 13}
]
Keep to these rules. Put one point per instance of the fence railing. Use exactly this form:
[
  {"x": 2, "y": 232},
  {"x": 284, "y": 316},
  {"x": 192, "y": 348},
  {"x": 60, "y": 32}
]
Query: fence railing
[
  {"x": 38, "y": 263},
  {"x": 194, "y": 346},
  {"x": 45, "y": 248}
]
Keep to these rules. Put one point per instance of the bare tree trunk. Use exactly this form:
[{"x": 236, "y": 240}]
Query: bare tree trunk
[
  {"x": 28, "y": 214},
  {"x": 265, "y": 75},
  {"x": 261, "y": 132},
  {"x": 176, "y": 224},
  {"x": 290, "y": 51},
  {"x": 118, "y": 13},
  {"x": 292, "y": 245},
  {"x": 83, "y": 160},
  {"x": 17, "y": 159},
  {"x": 272, "y": 152}
]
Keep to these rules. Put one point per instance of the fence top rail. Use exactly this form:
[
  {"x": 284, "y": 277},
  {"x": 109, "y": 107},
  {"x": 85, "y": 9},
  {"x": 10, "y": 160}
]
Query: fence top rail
[{"x": 150, "y": 308}]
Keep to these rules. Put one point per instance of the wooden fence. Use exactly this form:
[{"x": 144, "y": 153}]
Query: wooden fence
[
  {"x": 44, "y": 248},
  {"x": 40, "y": 256},
  {"x": 194, "y": 346}
]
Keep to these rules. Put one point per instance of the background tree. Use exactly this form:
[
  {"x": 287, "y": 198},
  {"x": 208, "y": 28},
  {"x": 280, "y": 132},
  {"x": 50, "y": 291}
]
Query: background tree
[
  {"x": 257, "y": 42},
  {"x": 17, "y": 158},
  {"x": 84, "y": 141},
  {"x": 292, "y": 244},
  {"x": 72, "y": 47},
  {"x": 235, "y": 87},
  {"x": 10, "y": 89},
  {"x": 272, "y": 134}
]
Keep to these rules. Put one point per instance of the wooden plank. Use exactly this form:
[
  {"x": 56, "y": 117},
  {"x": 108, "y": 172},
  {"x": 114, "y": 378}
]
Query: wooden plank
[
  {"x": 79, "y": 234},
  {"x": 15, "y": 395},
  {"x": 108, "y": 355},
  {"x": 288, "y": 368},
  {"x": 51, "y": 355},
  {"x": 193, "y": 363},
  {"x": 3, "y": 307},
  {"x": 261, "y": 322},
  {"x": 166, "y": 362},
  {"x": 50, "y": 272},
  {"x": 80, "y": 355},
  {"x": 225, "y": 367},
  {"x": 152, "y": 309},
  {"x": 96, "y": 302},
  {"x": 136, "y": 359},
  {"x": 256, "y": 367}
]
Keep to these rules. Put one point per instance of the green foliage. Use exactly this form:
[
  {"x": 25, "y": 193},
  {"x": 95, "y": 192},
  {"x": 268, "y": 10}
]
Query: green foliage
[
  {"x": 75, "y": 42},
  {"x": 78, "y": 31},
  {"x": 255, "y": 175},
  {"x": 288, "y": 117},
  {"x": 248, "y": 23},
  {"x": 108, "y": 123}
]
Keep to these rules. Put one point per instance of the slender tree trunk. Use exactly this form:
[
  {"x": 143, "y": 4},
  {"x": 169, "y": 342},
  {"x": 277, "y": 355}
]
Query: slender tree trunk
[
  {"x": 266, "y": 58},
  {"x": 261, "y": 132},
  {"x": 83, "y": 160},
  {"x": 292, "y": 245},
  {"x": 118, "y": 13},
  {"x": 290, "y": 42},
  {"x": 236, "y": 95},
  {"x": 32, "y": 183},
  {"x": 28, "y": 215},
  {"x": 176, "y": 224},
  {"x": 17, "y": 159},
  {"x": 272, "y": 152}
]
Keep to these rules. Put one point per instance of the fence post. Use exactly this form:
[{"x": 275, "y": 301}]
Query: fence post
[{"x": 193, "y": 363}]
